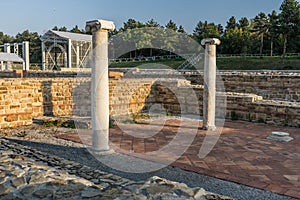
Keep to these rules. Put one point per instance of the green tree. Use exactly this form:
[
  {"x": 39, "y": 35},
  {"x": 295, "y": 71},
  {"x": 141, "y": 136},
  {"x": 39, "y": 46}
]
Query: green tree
[
  {"x": 233, "y": 41},
  {"x": 5, "y": 38},
  {"x": 138, "y": 39},
  {"x": 76, "y": 30},
  {"x": 273, "y": 29},
  {"x": 221, "y": 29},
  {"x": 181, "y": 29},
  {"x": 289, "y": 21},
  {"x": 64, "y": 29},
  {"x": 34, "y": 44},
  {"x": 231, "y": 23},
  {"x": 171, "y": 25},
  {"x": 152, "y": 23},
  {"x": 244, "y": 23},
  {"x": 207, "y": 30},
  {"x": 132, "y": 24},
  {"x": 261, "y": 25}
]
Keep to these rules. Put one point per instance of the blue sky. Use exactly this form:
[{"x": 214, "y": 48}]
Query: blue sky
[{"x": 41, "y": 15}]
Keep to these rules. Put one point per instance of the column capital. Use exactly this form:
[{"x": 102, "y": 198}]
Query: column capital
[
  {"x": 96, "y": 25},
  {"x": 210, "y": 41}
]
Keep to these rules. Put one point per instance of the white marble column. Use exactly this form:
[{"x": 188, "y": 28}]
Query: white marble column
[
  {"x": 209, "y": 97},
  {"x": 25, "y": 53},
  {"x": 100, "y": 84}
]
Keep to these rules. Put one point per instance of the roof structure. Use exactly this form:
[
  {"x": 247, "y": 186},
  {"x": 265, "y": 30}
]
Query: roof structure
[
  {"x": 65, "y": 49},
  {"x": 68, "y": 35},
  {"x": 10, "y": 57}
]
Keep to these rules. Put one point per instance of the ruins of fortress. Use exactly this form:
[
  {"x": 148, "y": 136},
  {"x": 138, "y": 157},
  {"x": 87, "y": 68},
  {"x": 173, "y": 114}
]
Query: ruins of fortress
[
  {"x": 270, "y": 97},
  {"x": 255, "y": 96}
]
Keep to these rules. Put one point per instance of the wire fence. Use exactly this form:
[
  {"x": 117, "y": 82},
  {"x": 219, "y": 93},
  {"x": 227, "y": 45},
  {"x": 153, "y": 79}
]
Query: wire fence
[
  {"x": 187, "y": 57},
  {"x": 152, "y": 58}
]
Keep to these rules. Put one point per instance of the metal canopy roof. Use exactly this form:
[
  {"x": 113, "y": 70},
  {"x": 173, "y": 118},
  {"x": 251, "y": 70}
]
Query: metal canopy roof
[
  {"x": 10, "y": 57},
  {"x": 68, "y": 35}
]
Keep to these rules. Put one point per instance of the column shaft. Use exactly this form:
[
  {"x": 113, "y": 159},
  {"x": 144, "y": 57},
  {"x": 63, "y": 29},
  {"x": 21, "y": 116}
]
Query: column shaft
[
  {"x": 26, "y": 55},
  {"x": 100, "y": 84},
  {"x": 209, "y": 96},
  {"x": 100, "y": 89}
]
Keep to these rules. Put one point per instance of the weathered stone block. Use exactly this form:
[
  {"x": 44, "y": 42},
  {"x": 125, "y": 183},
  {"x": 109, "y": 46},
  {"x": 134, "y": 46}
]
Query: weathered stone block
[{"x": 11, "y": 118}]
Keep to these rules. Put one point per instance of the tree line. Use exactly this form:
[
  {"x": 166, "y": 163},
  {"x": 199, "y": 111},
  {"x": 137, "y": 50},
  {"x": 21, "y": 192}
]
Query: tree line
[
  {"x": 272, "y": 33},
  {"x": 267, "y": 33}
]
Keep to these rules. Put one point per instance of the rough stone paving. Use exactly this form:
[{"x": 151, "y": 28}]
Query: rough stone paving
[{"x": 29, "y": 174}]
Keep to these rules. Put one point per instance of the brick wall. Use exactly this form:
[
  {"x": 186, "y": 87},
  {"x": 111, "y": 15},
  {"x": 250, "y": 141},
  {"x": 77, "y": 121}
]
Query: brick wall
[
  {"x": 23, "y": 99},
  {"x": 282, "y": 86},
  {"x": 235, "y": 106},
  {"x": 15, "y": 103},
  {"x": 272, "y": 85}
]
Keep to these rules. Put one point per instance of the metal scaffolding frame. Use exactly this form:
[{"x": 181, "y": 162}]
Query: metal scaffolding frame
[
  {"x": 16, "y": 47},
  {"x": 64, "y": 49}
]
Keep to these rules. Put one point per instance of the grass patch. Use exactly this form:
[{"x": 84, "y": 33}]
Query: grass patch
[
  {"x": 258, "y": 63},
  {"x": 226, "y": 63},
  {"x": 60, "y": 123},
  {"x": 169, "y": 63}
]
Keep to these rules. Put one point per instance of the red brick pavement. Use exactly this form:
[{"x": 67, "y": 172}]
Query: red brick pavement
[{"x": 242, "y": 154}]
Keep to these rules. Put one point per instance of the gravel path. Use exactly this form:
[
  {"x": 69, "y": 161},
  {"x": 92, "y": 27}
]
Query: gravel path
[{"x": 43, "y": 139}]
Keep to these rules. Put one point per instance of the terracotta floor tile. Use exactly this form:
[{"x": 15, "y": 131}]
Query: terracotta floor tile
[
  {"x": 293, "y": 193},
  {"x": 276, "y": 188},
  {"x": 263, "y": 178},
  {"x": 258, "y": 184},
  {"x": 292, "y": 177},
  {"x": 242, "y": 153}
]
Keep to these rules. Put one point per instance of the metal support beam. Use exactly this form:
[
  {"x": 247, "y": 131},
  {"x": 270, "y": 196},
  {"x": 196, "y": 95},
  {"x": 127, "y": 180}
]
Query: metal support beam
[
  {"x": 7, "y": 48},
  {"x": 25, "y": 54},
  {"x": 16, "y": 48},
  {"x": 43, "y": 56},
  {"x": 2, "y": 65},
  {"x": 69, "y": 53},
  {"x": 77, "y": 55}
]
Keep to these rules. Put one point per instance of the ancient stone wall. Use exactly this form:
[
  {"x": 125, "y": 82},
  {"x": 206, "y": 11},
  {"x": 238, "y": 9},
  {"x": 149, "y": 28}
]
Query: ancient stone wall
[
  {"x": 15, "y": 103},
  {"x": 21, "y": 99},
  {"x": 282, "y": 86},
  {"x": 271, "y": 85},
  {"x": 230, "y": 105}
]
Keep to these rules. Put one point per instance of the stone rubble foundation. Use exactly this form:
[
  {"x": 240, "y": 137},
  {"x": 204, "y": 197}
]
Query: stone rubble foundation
[{"x": 29, "y": 174}]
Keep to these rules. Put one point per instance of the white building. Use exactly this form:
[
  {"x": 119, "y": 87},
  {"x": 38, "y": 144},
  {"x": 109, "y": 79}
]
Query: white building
[
  {"x": 65, "y": 49},
  {"x": 8, "y": 60}
]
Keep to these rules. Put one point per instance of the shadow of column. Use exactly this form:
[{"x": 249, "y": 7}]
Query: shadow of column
[{"x": 47, "y": 98}]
